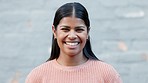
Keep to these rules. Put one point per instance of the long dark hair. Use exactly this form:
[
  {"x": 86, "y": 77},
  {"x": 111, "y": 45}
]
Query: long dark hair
[{"x": 66, "y": 10}]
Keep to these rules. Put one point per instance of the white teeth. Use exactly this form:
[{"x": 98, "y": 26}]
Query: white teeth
[{"x": 72, "y": 44}]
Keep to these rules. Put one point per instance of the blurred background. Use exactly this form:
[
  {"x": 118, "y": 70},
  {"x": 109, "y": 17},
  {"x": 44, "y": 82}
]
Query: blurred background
[{"x": 119, "y": 36}]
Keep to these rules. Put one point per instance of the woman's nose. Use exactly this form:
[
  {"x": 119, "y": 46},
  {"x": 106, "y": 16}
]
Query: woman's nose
[{"x": 72, "y": 35}]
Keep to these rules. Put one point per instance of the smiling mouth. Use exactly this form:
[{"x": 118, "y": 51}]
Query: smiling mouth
[{"x": 72, "y": 43}]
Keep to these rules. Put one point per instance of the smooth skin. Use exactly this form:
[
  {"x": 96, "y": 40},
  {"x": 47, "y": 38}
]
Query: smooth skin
[{"x": 71, "y": 35}]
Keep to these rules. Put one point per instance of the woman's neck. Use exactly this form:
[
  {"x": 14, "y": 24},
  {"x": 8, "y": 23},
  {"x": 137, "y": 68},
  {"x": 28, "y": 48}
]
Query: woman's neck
[{"x": 71, "y": 61}]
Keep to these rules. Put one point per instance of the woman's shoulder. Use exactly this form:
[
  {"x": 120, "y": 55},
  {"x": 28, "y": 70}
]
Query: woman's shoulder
[
  {"x": 100, "y": 63},
  {"x": 38, "y": 72},
  {"x": 43, "y": 66},
  {"x": 106, "y": 70},
  {"x": 41, "y": 69},
  {"x": 103, "y": 66}
]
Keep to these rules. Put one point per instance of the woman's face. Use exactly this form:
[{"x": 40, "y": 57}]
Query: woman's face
[{"x": 71, "y": 34}]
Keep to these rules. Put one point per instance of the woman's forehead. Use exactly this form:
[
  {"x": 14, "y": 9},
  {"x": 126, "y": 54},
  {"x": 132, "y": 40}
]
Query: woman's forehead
[{"x": 73, "y": 20}]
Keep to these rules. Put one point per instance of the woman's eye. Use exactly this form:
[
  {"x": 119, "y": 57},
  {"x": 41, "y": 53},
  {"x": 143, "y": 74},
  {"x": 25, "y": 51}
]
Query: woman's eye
[
  {"x": 65, "y": 29},
  {"x": 79, "y": 30}
]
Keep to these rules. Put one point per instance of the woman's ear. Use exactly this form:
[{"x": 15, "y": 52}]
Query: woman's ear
[
  {"x": 88, "y": 32},
  {"x": 87, "y": 37},
  {"x": 54, "y": 31}
]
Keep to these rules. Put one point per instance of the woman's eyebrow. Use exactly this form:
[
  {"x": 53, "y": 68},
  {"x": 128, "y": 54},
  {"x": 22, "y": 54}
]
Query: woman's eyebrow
[
  {"x": 64, "y": 26},
  {"x": 80, "y": 27}
]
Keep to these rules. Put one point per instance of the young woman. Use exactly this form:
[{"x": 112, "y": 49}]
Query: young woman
[{"x": 72, "y": 59}]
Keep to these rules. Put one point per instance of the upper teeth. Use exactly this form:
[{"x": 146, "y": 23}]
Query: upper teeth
[{"x": 72, "y": 44}]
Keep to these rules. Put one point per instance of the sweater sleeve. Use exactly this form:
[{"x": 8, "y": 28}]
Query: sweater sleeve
[
  {"x": 110, "y": 75},
  {"x": 115, "y": 77},
  {"x": 118, "y": 79},
  {"x": 33, "y": 77}
]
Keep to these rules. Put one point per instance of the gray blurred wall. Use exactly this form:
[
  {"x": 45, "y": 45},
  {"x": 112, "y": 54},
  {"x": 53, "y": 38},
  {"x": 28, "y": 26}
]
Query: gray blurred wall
[{"x": 119, "y": 36}]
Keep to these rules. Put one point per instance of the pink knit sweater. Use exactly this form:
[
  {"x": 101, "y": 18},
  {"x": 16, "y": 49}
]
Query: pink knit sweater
[{"x": 90, "y": 72}]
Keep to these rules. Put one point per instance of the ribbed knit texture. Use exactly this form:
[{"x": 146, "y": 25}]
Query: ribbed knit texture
[{"x": 90, "y": 72}]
